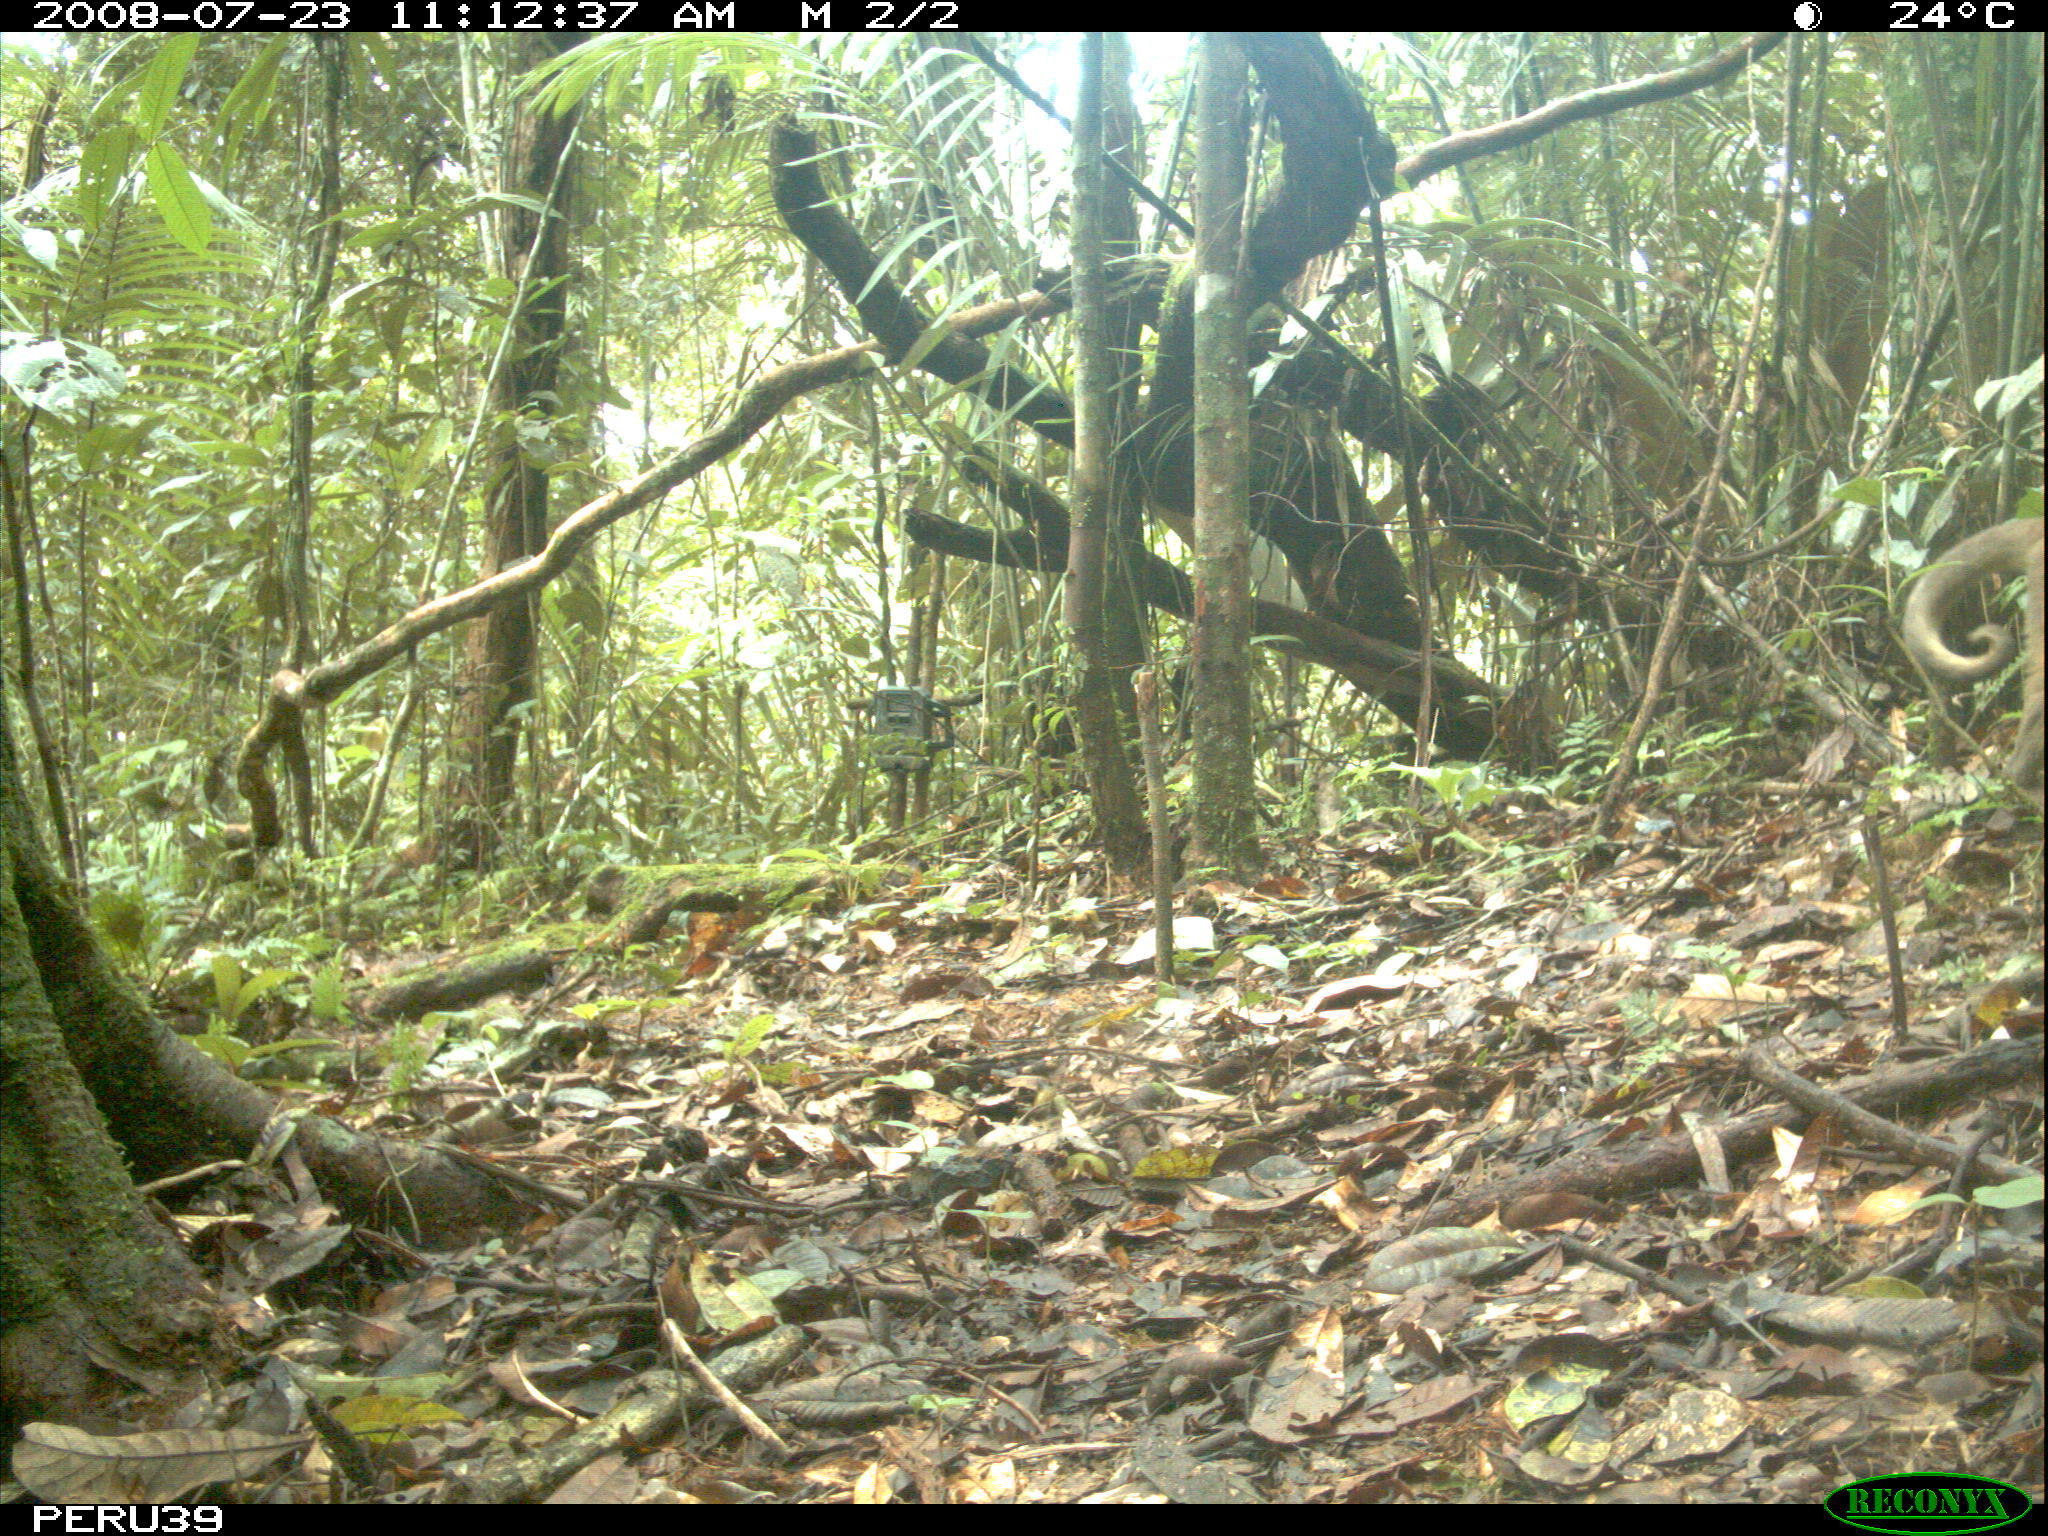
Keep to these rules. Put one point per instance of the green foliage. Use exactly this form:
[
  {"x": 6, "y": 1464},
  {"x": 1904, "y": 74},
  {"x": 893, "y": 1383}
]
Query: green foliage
[
  {"x": 603, "y": 1008},
  {"x": 1723, "y": 960},
  {"x": 703, "y": 665},
  {"x": 1942, "y": 895},
  {"x": 131, "y": 923},
  {"x": 1460, "y": 788},
  {"x": 745, "y": 1039},
  {"x": 1318, "y": 950},
  {"x": 327, "y": 995},
  {"x": 65, "y": 378},
  {"x": 409, "y": 1046},
  {"x": 235, "y": 989},
  {"x": 1585, "y": 753},
  {"x": 2013, "y": 1195},
  {"x": 1656, "y": 1026}
]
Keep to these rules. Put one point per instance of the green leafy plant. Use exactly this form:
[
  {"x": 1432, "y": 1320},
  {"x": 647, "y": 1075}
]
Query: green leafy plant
[
  {"x": 1708, "y": 748},
  {"x": 1461, "y": 788},
  {"x": 235, "y": 991},
  {"x": 740, "y": 1044},
  {"x": 326, "y": 996},
  {"x": 1941, "y": 894},
  {"x": 599, "y": 1008},
  {"x": 131, "y": 923},
  {"x": 1585, "y": 752},
  {"x": 1721, "y": 959},
  {"x": 639, "y": 1007},
  {"x": 1950, "y": 813},
  {"x": 2013, "y": 1195},
  {"x": 1655, "y": 1024},
  {"x": 410, "y": 1046}
]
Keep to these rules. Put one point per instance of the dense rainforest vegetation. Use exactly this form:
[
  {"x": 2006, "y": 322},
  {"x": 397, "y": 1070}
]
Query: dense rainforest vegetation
[
  {"x": 456, "y": 483},
  {"x": 312, "y": 345}
]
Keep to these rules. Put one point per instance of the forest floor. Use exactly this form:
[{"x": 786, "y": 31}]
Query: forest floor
[{"x": 1481, "y": 1162}]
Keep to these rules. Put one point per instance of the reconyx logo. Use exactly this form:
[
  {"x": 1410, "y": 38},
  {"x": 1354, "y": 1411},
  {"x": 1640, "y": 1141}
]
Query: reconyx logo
[{"x": 1923, "y": 1502}]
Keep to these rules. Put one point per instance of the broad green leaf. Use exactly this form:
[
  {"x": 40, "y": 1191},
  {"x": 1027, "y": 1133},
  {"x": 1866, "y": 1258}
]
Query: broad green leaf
[
  {"x": 105, "y": 160},
  {"x": 161, "y": 79},
  {"x": 178, "y": 198}
]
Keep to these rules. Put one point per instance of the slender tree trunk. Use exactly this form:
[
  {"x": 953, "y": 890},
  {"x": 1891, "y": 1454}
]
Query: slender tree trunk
[
  {"x": 1104, "y": 651},
  {"x": 307, "y": 324},
  {"x": 503, "y": 650},
  {"x": 1225, "y": 830}
]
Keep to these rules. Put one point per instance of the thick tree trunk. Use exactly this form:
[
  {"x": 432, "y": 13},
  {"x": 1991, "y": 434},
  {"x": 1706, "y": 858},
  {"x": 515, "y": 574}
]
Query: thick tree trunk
[
  {"x": 90, "y": 1076},
  {"x": 85, "y": 1270}
]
